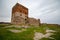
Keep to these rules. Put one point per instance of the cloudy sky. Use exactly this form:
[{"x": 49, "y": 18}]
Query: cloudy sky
[{"x": 48, "y": 11}]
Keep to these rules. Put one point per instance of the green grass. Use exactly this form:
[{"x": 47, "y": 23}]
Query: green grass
[
  {"x": 29, "y": 34},
  {"x": 3, "y": 25}
]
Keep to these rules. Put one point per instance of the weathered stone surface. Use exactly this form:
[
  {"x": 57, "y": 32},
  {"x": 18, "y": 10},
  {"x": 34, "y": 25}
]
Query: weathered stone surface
[
  {"x": 38, "y": 35},
  {"x": 33, "y": 21},
  {"x": 19, "y": 14},
  {"x": 16, "y": 31}
]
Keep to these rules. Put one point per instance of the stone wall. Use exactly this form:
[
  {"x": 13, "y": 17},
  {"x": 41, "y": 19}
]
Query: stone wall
[
  {"x": 33, "y": 21},
  {"x": 19, "y": 14}
]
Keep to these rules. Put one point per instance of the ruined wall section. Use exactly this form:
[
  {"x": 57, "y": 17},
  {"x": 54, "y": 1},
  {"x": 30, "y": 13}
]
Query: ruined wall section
[{"x": 33, "y": 21}]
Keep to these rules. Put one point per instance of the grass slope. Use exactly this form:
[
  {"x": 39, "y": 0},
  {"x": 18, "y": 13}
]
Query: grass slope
[{"x": 28, "y": 34}]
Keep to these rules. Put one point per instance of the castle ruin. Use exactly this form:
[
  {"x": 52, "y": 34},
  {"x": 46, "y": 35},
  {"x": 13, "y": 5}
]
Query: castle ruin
[{"x": 20, "y": 16}]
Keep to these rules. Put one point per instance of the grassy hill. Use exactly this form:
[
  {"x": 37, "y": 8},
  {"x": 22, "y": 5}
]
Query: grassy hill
[{"x": 27, "y": 33}]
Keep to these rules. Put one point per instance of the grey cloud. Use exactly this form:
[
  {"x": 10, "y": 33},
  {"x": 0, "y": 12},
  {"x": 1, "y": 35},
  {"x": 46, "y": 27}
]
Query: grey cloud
[{"x": 46, "y": 10}]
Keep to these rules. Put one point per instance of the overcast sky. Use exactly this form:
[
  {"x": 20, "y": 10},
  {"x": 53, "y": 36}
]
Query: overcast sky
[{"x": 48, "y": 11}]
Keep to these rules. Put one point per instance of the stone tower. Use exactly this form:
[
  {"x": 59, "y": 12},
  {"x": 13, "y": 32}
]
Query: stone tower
[{"x": 19, "y": 14}]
